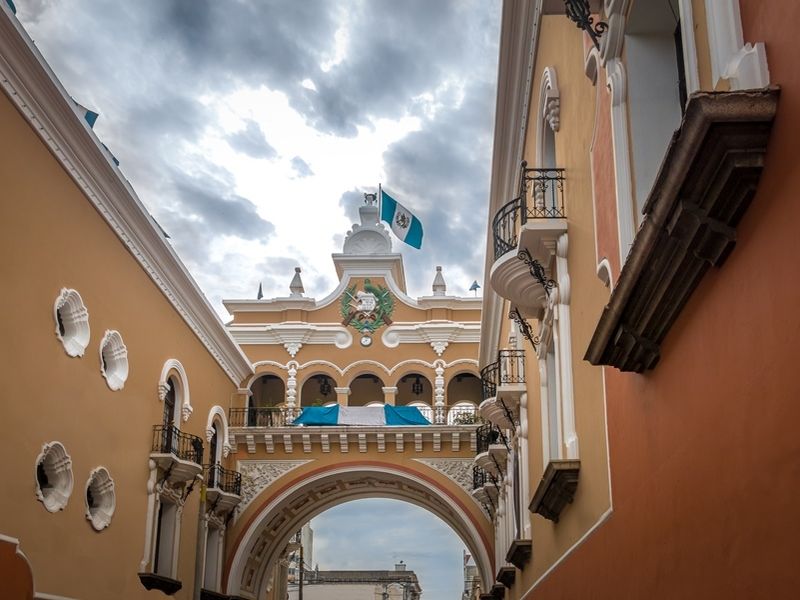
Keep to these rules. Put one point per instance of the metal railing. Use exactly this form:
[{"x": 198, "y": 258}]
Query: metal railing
[
  {"x": 168, "y": 439},
  {"x": 227, "y": 480},
  {"x": 480, "y": 477},
  {"x": 487, "y": 435},
  {"x": 260, "y": 416},
  {"x": 463, "y": 415},
  {"x": 541, "y": 196},
  {"x": 507, "y": 369},
  {"x": 505, "y": 228},
  {"x": 542, "y": 193}
]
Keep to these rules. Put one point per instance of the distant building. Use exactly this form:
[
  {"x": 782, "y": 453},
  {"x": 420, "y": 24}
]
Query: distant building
[
  {"x": 399, "y": 584},
  {"x": 472, "y": 578}
]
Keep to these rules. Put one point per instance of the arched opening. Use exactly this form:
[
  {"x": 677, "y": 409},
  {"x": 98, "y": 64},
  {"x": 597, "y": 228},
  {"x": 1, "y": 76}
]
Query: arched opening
[
  {"x": 268, "y": 395},
  {"x": 414, "y": 388},
  {"x": 366, "y": 390},
  {"x": 318, "y": 390},
  {"x": 353, "y": 535},
  {"x": 463, "y": 398},
  {"x": 279, "y": 515}
]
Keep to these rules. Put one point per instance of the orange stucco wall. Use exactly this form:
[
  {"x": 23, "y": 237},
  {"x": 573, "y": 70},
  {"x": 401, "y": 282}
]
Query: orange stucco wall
[{"x": 704, "y": 449}]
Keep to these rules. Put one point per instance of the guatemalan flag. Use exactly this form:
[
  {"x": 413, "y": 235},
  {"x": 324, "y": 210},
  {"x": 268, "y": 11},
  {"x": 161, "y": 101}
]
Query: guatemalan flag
[
  {"x": 402, "y": 222},
  {"x": 360, "y": 415}
]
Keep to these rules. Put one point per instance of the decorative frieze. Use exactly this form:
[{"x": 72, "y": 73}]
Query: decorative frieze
[{"x": 257, "y": 475}]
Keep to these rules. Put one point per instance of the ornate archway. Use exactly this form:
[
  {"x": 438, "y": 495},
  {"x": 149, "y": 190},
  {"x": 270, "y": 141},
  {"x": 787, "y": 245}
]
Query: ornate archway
[{"x": 283, "y": 509}]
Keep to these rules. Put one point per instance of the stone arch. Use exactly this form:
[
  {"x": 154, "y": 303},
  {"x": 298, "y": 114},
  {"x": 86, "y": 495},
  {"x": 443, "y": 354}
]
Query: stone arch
[
  {"x": 405, "y": 383},
  {"x": 283, "y": 511},
  {"x": 173, "y": 369},
  {"x": 268, "y": 389},
  {"x": 311, "y": 388},
  {"x": 366, "y": 387},
  {"x": 217, "y": 413}
]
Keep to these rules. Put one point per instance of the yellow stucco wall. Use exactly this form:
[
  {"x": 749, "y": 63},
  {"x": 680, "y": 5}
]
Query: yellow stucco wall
[{"x": 54, "y": 238}]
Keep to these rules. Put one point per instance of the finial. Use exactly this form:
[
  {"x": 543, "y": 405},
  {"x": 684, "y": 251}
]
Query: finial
[
  {"x": 370, "y": 199},
  {"x": 439, "y": 286},
  {"x": 296, "y": 287}
]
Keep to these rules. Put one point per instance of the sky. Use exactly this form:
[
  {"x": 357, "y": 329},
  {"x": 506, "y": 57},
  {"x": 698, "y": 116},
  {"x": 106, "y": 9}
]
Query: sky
[
  {"x": 429, "y": 547},
  {"x": 251, "y": 129}
]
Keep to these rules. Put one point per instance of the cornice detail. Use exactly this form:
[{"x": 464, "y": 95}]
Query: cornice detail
[
  {"x": 44, "y": 103},
  {"x": 431, "y": 332},
  {"x": 292, "y": 336}
]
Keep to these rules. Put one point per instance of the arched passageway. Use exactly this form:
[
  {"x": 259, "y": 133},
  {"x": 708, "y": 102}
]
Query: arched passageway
[
  {"x": 413, "y": 388},
  {"x": 318, "y": 390},
  {"x": 280, "y": 512},
  {"x": 366, "y": 389}
]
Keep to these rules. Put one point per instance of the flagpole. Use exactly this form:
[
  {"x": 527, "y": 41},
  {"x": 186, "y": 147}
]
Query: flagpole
[{"x": 380, "y": 202}]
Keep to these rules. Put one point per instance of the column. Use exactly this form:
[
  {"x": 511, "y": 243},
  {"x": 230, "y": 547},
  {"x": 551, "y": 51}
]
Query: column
[
  {"x": 389, "y": 395},
  {"x": 342, "y": 394}
]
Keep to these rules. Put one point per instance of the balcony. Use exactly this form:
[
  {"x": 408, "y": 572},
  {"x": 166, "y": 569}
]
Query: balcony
[
  {"x": 258, "y": 416},
  {"x": 525, "y": 232},
  {"x": 503, "y": 384},
  {"x": 224, "y": 488},
  {"x": 707, "y": 180},
  {"x": 492, "y": 450},
  {"x": 178, "y": 453},
  {"x": 484, "y": 486}
]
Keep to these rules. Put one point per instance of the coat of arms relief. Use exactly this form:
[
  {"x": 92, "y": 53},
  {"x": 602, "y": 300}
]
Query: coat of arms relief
[{"x": 367, "y": 309}]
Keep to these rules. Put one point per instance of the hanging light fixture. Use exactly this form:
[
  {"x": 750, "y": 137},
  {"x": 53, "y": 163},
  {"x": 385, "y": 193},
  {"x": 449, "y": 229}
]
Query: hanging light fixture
[
  {"x": 416, "y": 387},
  {"x": 324, "y": 385}
]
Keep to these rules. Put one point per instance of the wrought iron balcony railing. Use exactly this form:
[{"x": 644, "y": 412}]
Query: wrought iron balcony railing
[
  {"x": 489, "y": 434},
  {"x": 480, "y": 478},
  {"x": 541, "y": 196},
  {"x": 266, "y": 416},
  {"x": 509, "y": 368},
  {"x": 168, "y": 439},
  {"x": 227, "y": 480}
]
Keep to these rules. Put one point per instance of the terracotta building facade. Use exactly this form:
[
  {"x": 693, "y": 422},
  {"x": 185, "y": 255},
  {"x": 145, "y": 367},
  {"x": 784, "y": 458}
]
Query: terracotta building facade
[{"x": 639, "y": 254}]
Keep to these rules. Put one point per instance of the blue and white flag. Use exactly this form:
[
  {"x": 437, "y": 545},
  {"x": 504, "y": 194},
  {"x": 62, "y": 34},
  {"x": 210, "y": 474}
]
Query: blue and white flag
[
  {"x": 402, "y": 222},
  {"x": 360, "y": 415}
]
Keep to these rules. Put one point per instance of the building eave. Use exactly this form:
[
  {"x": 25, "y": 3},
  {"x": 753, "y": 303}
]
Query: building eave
[
  {"x": 518, "y": 33},
  {"x": 34, "y": 89}
]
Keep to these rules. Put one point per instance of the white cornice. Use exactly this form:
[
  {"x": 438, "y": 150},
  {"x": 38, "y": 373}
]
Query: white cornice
[
  {"x": 44, "y": 103},
  {"x": 360, "y": 267},
  {"x": 431, "y": 332},
  {"x": 518, "y": 36},
  {"x": 269, "y": 305},
  {"x": 292, "y": 333}
]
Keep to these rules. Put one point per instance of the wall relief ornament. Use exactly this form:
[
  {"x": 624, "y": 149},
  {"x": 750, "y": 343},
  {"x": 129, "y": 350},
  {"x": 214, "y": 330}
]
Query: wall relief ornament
[
  {"x": 257, "y": 475},
  {"x": 367, "y": 310},
  {"x": 458, "y": 470}
]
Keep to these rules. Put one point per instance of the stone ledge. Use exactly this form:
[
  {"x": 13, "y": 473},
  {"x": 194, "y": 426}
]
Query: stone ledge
[
  {"x": 706, "y": 182},
  {"x": 556, "y": 489}
]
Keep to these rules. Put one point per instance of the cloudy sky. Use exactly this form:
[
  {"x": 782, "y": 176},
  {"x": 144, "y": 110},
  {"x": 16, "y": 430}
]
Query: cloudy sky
[
  {"x": 392, "y": 531},
  {"x": 250, "y": 129}
]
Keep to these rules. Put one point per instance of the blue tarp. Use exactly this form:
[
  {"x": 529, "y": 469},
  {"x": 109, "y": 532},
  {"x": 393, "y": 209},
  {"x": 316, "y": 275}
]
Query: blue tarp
[
  {"x": 329, "y": 415},
  {"x": 404, "y": 415},
  {"x": 318, "y": 415}
]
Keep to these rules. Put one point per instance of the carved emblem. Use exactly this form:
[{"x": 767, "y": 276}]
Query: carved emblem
[
  {"x": 367, "y": 310},
  {"x": 402, "y": 220}
]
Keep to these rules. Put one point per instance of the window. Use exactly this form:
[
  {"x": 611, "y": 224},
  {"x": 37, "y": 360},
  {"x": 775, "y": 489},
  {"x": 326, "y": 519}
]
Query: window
[
  {"x": 213, "y": 562},
  {"x": 656, "y": 85},
  {"x": 72, "y": 322},
  {"x": 114, "y": 360},
  {"x": 53, "y": 477},
  {"x": 100, "y": 499},
  {"x": 167, "y": 524}
]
